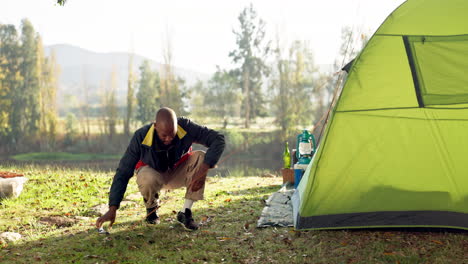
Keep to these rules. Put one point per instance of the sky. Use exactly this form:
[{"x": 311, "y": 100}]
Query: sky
[{"x": 201, "y": 32}]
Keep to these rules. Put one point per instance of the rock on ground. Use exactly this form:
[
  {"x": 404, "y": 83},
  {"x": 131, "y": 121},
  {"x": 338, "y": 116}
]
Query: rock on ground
[
  {"x": 134, "y": 197},
  {"x": 11, "y": 187},
  {"x": 6, "y": 237},
  {"x": 101, "y": 209}
]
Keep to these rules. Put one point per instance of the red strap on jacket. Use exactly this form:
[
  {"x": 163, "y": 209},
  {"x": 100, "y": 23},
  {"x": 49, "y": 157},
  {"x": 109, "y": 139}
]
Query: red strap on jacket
[
  {"x": 183, "y": 158},
  {"x": 140, "y": 164},
  {"x": 180, "y": 161}
]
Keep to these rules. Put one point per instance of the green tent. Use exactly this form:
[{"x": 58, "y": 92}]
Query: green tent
[{"x": 394, "y": 152}]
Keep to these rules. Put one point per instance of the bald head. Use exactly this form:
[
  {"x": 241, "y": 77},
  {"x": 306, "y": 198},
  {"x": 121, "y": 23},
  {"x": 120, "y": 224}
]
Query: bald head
[
  {"x": 166, "y": 115},
  {"x": 166, "y": 125}
]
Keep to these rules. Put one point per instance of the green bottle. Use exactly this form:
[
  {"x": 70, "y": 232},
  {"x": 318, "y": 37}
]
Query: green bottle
[{"x": 286, "y": 157}]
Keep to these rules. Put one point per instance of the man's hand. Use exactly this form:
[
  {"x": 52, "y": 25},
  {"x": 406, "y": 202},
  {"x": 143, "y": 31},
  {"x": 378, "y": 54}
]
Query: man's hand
[
  {"x": 198, "y": 179},
  {"x": 109, "y": 216}
]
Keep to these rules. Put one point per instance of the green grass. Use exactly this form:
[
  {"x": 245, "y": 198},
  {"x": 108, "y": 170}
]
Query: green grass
[
  {"x": 64, "y": 156},
  {"x": 228, "y": 230}
]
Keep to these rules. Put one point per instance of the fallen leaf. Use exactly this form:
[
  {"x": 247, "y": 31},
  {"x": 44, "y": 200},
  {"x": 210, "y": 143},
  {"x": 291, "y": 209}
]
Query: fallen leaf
[
  {"x": 389, "y": 253},
  {"x": 437, "y": 242},
  {"x": 221, "y": 239}
]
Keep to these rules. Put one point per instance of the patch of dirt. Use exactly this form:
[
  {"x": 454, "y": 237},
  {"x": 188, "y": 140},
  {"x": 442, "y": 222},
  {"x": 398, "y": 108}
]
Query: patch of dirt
[{"x": 58, "y": 221}]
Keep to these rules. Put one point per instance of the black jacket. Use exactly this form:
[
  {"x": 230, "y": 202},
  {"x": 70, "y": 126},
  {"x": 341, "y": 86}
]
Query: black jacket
[{"x": 147, "y": 147}]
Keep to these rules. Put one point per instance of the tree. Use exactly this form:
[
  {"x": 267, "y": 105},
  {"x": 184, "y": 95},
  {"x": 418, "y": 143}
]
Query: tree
[
  {"x": 198, "y": 108},
  {"x": 171, "y": 86},
  {"x": 4, "y": 105},
  {"x": 250, "y": 57},
  {"x": 10, "y": 99},
  {"x": 323, "y": 90},
  {"x": 302, "y": 81},
  {"x": 223, "y": 96},
  {"x": 294, "y": 85},
  {"x": 130, "y": 96},
  {"x": 70, "y": 129},
  {"x": 85, "y": 107},
  {"x": 29, "y": 105},
  {"x": 280, "y": 84},
  {"x": 351, "y": 45},
  {"x": 111, "y": 105},
  {"x": 148, "y": 93},
  {"x": 27, "y": 89},
  {"x": 47, "y": 97}
]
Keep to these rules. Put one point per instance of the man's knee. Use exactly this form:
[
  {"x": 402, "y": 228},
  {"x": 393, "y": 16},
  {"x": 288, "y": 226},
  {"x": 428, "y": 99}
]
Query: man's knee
[
  {"x": 199, "y": 153},
  {"x": 147, "y": 176},
  {"x": 195, "y": 160},
  {"x": 198, "y": 156}
]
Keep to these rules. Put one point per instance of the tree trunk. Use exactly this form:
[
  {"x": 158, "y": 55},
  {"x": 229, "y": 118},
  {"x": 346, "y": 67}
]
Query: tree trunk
[{"x": 245, "y": 78}]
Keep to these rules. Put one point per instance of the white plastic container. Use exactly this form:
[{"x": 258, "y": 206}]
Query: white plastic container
[{"x": 298, "y": 172}]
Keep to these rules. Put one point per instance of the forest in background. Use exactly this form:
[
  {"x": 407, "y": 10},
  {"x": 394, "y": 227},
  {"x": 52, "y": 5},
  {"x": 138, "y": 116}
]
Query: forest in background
[{"x": 272, "y": 92}]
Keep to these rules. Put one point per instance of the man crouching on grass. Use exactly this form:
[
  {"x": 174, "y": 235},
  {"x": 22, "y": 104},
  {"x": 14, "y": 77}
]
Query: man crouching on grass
[{"x": 161, "y": 156}]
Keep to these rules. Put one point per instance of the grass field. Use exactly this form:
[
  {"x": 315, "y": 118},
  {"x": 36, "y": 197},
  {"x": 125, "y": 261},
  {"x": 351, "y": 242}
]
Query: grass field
[
  {"x": 64, "y": 156},
  {"x": 54, "y": 216}
]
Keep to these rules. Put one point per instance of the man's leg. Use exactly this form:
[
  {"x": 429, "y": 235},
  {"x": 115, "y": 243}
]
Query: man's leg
[
  {"x": 150, "y": 183},
  {"x": 182, "y": 176}
]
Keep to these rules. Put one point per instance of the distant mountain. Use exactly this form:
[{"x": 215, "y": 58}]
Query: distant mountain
[{"x": 79, "y": 66}]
